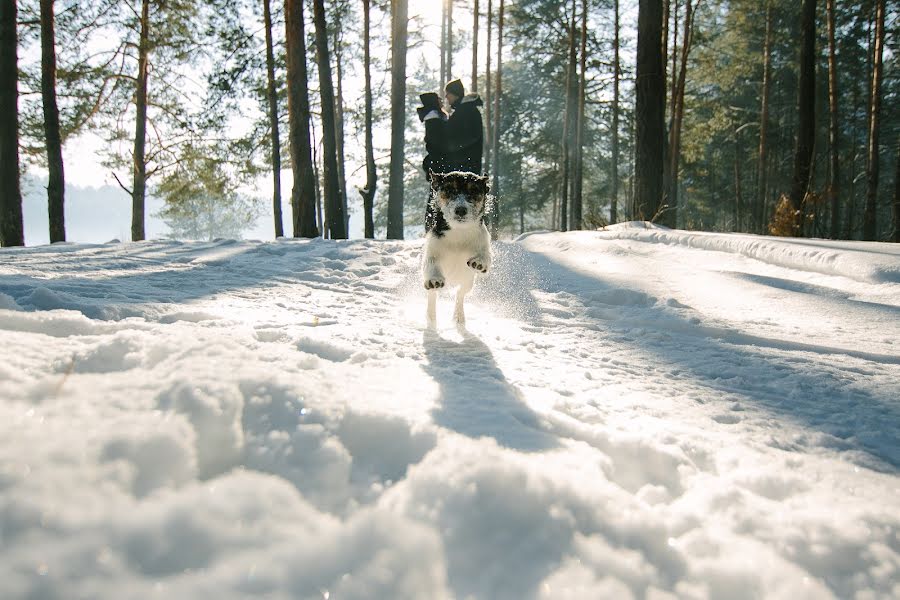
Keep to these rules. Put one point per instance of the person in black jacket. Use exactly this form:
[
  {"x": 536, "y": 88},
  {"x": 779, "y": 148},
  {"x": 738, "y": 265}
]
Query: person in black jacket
[
  {"x": 435, "y": 161},
  {"x": 465, "y": 131},
  {"x": 435, "y": 119}
]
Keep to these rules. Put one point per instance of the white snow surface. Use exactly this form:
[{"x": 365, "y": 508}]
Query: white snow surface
[{"x": 632, "y": 413}]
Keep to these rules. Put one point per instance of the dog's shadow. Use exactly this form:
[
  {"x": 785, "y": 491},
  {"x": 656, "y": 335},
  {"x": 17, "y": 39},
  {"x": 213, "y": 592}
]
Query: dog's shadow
[{"x": 475, "y": 398}]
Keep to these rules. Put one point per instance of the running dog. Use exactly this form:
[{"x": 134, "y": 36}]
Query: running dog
[{"x": 457, "y": 243}]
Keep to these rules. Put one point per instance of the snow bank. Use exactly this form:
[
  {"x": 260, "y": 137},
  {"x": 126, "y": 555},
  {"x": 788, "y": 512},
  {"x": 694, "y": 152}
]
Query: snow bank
[
  {"x": 623, "y": 419},
  {"x": 862, "y": 261}
]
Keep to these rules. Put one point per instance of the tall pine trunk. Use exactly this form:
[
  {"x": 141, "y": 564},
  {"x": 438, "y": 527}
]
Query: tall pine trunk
[
  {"x": 895, "y": 205},
  {"x": 649, "y": 111},
  {"x": 738, "y": 196},
  {"x": 275, "y": 137},
  {"x": 56, "y": 183},
  {"x": 334, "y": 203},
  {"x": 444, "y": 78},
  {"x": 495, "y": 214},
  {"x": 671, "y": 215},
  {"x": 869, "y": 215},
  {"x": 12, "y": 232},
  {"x": 399, "y": 24},
  {"x": 339, "y": 122},
  {"x": 139, "y": 186},
  {"x": 617, "y": 71},
  {"x": 578, "y": 171},
  {"x": 834, "y": 183},
  {"x": 449, "y": 40},
  {"x": 568, "y": 128},
  {"x": 475, "y": 49},
  {"x": 303, "y": 193},
  {"x": 489, "y": 125},
  {"x": 368, "y": 194},
  {"x": 806, "y": 112},
  {"x": 762, "y": 185}
]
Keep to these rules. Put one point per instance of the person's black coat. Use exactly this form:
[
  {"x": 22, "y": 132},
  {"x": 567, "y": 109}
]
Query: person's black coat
[
  {"x": 465, "y": 135},
  {"x": 435, "y": 143}
]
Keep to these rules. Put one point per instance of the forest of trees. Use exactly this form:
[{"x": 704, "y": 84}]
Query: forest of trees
[{"x": 762, "y": 116}]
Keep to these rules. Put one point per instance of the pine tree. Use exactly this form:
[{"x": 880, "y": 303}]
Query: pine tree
[
  {"x": 139, "y": 179},
  {"x": 334, "y": 202},
  {"x": 670, "y": 215},
  {"x": 275, "y": 137},
  {"x": 399, "y": 33},
  {"x": 895, "y": 206},
  {"x": 368, "y": 193},
  {"x": 475, "y": 16},
  {"x": 649, "y": 111},
  {"x": 834, "y": 182},
  {"x": 578, "y": 171},
  {"x": 303, "y": 194},
  {"x": 56, "y": 183},
  {"x": 495, "y": 214},
  {"x": 762, "y": 186},
  {"x": 12, "y": 231},
  {"x": 806, "y": 109},
  {"x": 873, "y": 160},
  {"x": 617, "y": 73}
]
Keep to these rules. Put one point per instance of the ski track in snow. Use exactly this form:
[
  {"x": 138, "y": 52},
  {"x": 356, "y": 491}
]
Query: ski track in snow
[{"x": 631, "y": 413}]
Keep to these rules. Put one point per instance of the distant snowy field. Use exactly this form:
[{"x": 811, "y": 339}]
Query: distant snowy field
[{"x": 632, "y": 413}]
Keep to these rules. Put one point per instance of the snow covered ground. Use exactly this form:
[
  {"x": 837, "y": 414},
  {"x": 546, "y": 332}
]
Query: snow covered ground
[{"x": 636, "y": 412}]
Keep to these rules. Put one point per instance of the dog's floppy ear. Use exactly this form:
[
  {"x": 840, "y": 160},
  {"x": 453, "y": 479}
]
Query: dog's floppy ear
[
  {"x": 482, "y": 184},
  {"x": 435, "y": 178}
]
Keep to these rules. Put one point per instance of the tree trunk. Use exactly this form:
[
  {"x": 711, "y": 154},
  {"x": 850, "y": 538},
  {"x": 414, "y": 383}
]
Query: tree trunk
[
  {"x": 443, "y": 78},
  {"x": 334, "y": 203},
  {"x": 303, "y": 193},
  {"x": 475, "y": 49},
  {"x": 495, "y": 214},
  {"x": 12, "y": 232},
  {"x": 449, "y": 40},
  {"x": 762, "y": 186},
  {"x": 368, "y": 194},
  {"x": 56, "y": 184},
  {"x": 339, "y": 123},
  {"x": 321, "y": 211},
  {"x": 738, "y": 199},
  {"x": 649, "y": 111},
  {"x": 139, "y": 187},
  {"x": 568, "y": 128},
  {"x": 617, "y": 70},
  {"x": 399, "y": 11},
  {"x": 489, "y": 125},
  {"x": 895, "y": 206},
  {"x": 275, "y": 137},
  {"x": 578, "y": 174},
  {"x": 834, "y": 183},
  {"x": 670, "y": 105},
  {"x": 869, "y": 216},
  {"x": 806, "y": 112},
  {"x": 671, "y": 215}
]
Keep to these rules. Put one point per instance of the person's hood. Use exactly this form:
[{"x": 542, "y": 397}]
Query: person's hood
[
  {"x": 425, "y": 112},
  {"x": 469, "y": 98}
]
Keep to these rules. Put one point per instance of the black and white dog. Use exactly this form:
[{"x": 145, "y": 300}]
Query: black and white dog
[{"x": 457, "y": 243}]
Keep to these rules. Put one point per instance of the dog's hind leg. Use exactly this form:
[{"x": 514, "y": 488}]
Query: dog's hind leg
[{"x": 431, "y": 313}]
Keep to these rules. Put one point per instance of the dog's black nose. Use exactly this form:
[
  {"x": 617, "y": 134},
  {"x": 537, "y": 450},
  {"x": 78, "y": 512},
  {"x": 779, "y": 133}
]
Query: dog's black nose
[{"x": 461, "y": 211}]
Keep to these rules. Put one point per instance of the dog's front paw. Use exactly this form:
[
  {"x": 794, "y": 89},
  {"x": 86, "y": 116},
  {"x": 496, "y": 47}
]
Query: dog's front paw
[
  {"x": 433, "y": 284},
  {"x": 479, "y": 264}
]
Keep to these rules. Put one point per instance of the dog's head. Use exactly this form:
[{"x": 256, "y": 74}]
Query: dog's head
[{"x": 459, "y": 196}]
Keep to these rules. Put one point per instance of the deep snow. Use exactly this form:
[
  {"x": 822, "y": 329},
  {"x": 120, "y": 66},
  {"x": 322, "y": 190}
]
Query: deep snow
[{"x": 636, "y": 412}]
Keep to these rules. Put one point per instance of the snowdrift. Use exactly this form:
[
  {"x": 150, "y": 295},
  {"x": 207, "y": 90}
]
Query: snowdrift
[{"x": 632, "y": 413}]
